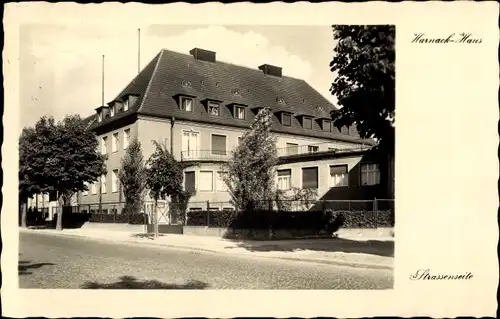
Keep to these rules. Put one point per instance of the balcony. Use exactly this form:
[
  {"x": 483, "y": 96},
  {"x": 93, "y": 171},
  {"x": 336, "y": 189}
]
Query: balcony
[
  {"x": 205, "y": 155},
  {"x": 319, "y": 148}
]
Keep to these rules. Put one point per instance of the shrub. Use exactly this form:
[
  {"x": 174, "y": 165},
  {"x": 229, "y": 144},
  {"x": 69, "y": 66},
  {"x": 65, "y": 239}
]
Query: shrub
[
  {"x": 134, "y": 219},
  {"x": 317, "y": 220},
  {"x": 197, "y": 218}
]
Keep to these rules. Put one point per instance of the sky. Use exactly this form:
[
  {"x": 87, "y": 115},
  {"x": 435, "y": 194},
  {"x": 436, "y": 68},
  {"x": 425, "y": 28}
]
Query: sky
[{"x": 61, "y": 65}]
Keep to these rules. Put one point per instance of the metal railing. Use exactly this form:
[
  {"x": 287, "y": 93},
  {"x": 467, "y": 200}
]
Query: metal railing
[
  {"x": 212, "y": 155},
  {"x": 319, "y": 148}
]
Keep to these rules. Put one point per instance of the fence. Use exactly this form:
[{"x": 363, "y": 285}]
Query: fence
[{"x": 356, "y": 213}]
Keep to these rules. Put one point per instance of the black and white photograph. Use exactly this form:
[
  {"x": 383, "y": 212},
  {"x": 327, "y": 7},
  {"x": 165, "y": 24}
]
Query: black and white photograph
[
  {"x": 244, "y": 160},
  {"x": 263, "y": 166}
]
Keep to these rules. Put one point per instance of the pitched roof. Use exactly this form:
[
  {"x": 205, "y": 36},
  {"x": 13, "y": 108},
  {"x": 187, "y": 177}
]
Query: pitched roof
[{"x": 171, "y": 73}]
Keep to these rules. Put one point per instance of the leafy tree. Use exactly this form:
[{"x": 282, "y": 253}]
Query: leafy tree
[
  {"x": 296, "y": 198},
  {"x": 132, "y": 177},
  {"x": 70, "y": 158},
  {"x": 249, "y": 174},
  {"x": 28, "y": 185},
  {"x": 364, "y": 63},
  {"x": 164, "y": 176}
]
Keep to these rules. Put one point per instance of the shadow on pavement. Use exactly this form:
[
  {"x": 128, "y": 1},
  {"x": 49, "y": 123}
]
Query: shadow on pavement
[
  {"x": 374, "y": 247},
  {"x": 148, "y": 236},
  {"x": 24, "y": 266},
  {"x": 129, "y": 282}
]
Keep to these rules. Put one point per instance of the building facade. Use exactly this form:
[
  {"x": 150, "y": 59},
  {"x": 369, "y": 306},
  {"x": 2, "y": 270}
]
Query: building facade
[{"x": 200, "y": 108}]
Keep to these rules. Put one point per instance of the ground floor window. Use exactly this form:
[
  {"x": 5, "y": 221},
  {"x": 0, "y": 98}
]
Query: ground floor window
[
  {"x": 338, "y": 176},
  {"x": 370, "y": 174},
  {"x": 284, "y": 179}
]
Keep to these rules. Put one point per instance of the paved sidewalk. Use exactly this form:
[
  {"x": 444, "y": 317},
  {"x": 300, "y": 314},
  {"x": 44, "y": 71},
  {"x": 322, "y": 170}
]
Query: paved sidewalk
[{"x": 341, "y": 251}]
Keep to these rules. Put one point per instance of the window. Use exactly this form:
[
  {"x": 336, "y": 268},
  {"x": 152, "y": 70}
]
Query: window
[
  {"x": 195, "y": 209},
  {"x": 99, "y": 117},
  {"x": 114, "y": 181},
  {"x": 227, "y": 209},
  {"x": 94, "y": 188},
  {"x": 286, "y": 119},
  {"x": 218, "y": 144},
  {"x": 114, "y": 143},
  {"x": 104, "y": 145},
  {"x": 239, "y": 112},
  {"x": 190, "y": 144},
  {"x": 307, "y": 123},
  {"x": 213, "y": 108},
  {"x": 220, "y": 184},
  {"x": 118, "y": 107},
  {"x": 126, "y": 138},
  {"x": 292, "y": 149},
  {"x": 310, "y": 177},
  {"x": 112, "y": 110},
  {"x": 187, "y": 104},
  {"x": 327, "y": 126},
  {"x": 370, "y": 174},
  {"x": 189, "y": 181},
  {"x": 284, "y": 179},
  {"x": 213, "y": 209},
  {"x": 103, "y": 184},
  {"x": 125, "y": 105},
  {"x": 205, "y": 183},
  {"x": 338, "y": 176},
  {"x": 312, "y": 148},
  {"x": 86, "y": 192},
  {"x": 344, "y": 130}
]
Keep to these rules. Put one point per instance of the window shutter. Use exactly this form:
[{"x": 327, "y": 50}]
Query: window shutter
[
  {"x": 285, "y": 172},
  {"x": 337, "y": 170},
  {"x": 219, "y": 144},
  {"x": 189, "y": 181},
  {"x": 205, "y": 182},
  {"x": 310, "y": 177}
]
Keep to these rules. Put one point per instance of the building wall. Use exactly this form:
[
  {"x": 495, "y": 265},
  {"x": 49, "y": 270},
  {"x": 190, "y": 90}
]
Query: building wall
[
  {"x": 151, "y": 129},
  {"x": 232, "y": 133},
  {"x": 148, "y": 129},
  {"x": 113, "y": 162},
  {"x": 324, "y": 172}
]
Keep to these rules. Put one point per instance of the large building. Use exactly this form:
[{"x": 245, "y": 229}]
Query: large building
[{"x": 200, "y": 107}]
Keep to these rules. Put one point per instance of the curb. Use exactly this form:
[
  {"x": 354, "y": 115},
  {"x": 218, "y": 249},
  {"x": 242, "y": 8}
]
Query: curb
[{"x": 352, "y": 264}]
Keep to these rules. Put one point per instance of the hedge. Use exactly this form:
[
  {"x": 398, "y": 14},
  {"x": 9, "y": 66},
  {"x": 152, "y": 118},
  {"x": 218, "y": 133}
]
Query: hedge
[
  {"x": 311, "y": 220},
  {"x": 135, "y": 219},
  {"x": 78, "y": 219}
]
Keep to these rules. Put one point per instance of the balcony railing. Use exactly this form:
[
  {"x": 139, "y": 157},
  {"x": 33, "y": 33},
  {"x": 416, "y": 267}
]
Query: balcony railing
[
  {"x": 319, "y": 148},
  {"x": 220, "y": 155},
  {"x": 204, "y": 155}
]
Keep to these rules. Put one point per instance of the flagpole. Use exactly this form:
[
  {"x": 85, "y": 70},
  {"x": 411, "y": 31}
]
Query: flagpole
[
  {"x": 102, "y": 84},
  {"x": 138, "y": 51}
]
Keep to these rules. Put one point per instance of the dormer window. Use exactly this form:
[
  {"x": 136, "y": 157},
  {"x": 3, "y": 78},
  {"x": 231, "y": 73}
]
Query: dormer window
[
  {"x": 186, "y": 103},
  {"x": 99, "y": 117},
  {"x": 213, "y": 108},
  {"x": 239, "y": 112},
  {"x": 286, "y": 119},
  {"x": 327, "y": 126},
  {"x": 307, "y": 123},
  {"x": 112, "y": 110},
  {"x": 125, "y": 105}
]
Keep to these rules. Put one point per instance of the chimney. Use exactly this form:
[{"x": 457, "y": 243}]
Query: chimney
[
  {"x": 271, "y": 70},
  {"x": 203, "y": 55}
]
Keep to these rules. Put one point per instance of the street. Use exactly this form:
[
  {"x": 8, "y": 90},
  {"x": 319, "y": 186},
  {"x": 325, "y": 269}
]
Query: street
[{"x": 48, "y": 261}]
